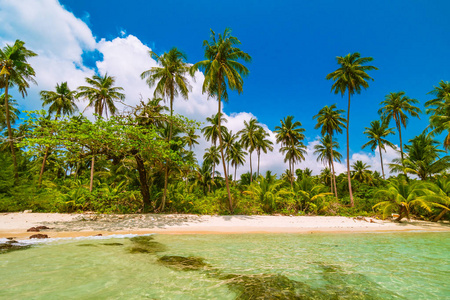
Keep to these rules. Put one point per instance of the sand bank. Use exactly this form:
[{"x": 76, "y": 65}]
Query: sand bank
[{"x": 71, "y": 225}]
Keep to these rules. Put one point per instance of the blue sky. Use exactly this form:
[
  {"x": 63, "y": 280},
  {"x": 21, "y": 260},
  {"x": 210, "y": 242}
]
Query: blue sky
[{"x": 293, "y": 45}]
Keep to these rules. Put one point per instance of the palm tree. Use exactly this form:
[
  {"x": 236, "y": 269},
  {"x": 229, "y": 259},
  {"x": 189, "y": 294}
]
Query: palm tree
[
  {"x": 211, "y": 132},
  {"x": 396, "y": 106},
  {"x": 422, "y": 158},
  {"x": 249, "y": 138},
  {"x": 237, "y": 156},
  {"x": 101, "y": 95},
  {"x": 212, "y": 156},
  {"x": 13, "y": 111},
  {"x": 262, "y": 144},
  {"x": 190, "y": 139},
  {"x": 350, "y": 77},
  {"x": 438, "y": 193},
  {"x": 376, "y": 134},
  {"x": 228, "y": 139},
  {"x": 327, "y": 154},
  {"x": 15, "y": 71},
  {"x": 361, "y": 172},
  {"x": 222, "y": 69},
  {"x": 330, "y": 121},
  {"x": 290, "y": 135},
  {"x": 439, "y": 111},
  {"x": 62, "y": 102}
]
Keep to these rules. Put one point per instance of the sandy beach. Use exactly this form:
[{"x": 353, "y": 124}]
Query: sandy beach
[{"x": 72, "y": 225}]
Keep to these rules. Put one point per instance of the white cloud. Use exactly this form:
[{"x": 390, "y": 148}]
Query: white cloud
[{"x": 60, "y": 39}]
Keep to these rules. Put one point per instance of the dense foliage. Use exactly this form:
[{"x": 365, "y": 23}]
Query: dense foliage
[{"x": 141, "y": 160}]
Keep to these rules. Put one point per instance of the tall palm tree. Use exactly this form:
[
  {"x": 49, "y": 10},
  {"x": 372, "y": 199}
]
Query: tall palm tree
[
  {"x": 237, "y": 156},
  {"x": 15, "y": 71},
  {"x": 228, "y": 139},
  {"x": 249, "y": 138},
  {"x": 350, "y": 78},
  {"x": 327, "y": 154},
  {"x": 62, "y": 102},
  {"x": 101, "y": 95},
  {"x": 439, "y": 111},
  {"x": 212, "y": 157},
  {"x": 290, "y": 135},
  {"x": 376, "y": 133},
  {"x": 222, "y": 69},
  {"x": 293, "y": 153},
  {"x": 396, "y": 106},
  {"x": 211, "y": 132},
  {"x": 262, "y": 144},
  {"x": 330, "y": 121},
  {"x": 361, "y": 172}
]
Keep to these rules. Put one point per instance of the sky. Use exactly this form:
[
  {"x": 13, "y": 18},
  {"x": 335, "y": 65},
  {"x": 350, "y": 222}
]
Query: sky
[{"x": 293, "y": 45}]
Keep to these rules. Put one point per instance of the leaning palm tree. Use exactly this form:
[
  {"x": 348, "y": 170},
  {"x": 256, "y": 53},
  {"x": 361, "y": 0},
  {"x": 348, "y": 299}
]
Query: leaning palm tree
[
  {"x": 439, "y": 111},
  {"x": 350, "y": 77},
  {"x": 262, "y": 144},
  {"x": 376, "y": 133},
  {"x": 330, "y": 121},
  {"x": 15, "y": 71},
  {"x": 101, "y": 95},
  {"x": 327, "y": 154},
  {"x": 397, "y": 106},
  {"x": 222, "y": 69},
  {"x": 249, "y": 138},
  {"x": 290, "y": 135},
  {"x": 62, "y": 102}
]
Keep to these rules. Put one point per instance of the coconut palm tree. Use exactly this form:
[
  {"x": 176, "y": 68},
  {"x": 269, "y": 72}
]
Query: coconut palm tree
[
  {"x": 101, "y": 95},
  {"x": 361, "y": 172},
  {"x": 212, "y": 157},
  {"x": 439, "y": 111},
  {"x": 237, "y": 156},
  {"x": 290, "y": 135},
  {"x": 249, "y": 138},
  {"x": 422, "y": 158},
  {"x": 376, "y": 134},
  {"x": 13, "y": 111},
  {"x": 262, "y": 144},
  {"x": 327, "y": 154},
  {"x": 350, "y": 78},
  {"x": 222, "y": 70},
  {"x": 438, "y": 193},
  {"x": 15, "y": 71},
  {"x": 62, "y": 102},
  {"x": 211, "y": 132},
  {"x": 190, "y": 139},
  {"x": 397, "y": 106},
  {"x": 330, "y": 121},
  {"x": 228, "y": 139}
]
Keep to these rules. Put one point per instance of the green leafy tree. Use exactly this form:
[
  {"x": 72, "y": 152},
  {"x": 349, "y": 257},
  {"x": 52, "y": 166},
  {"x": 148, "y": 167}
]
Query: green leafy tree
[
  {"x": 15, "y": 71},
  {"x": 377, "y": 133},
  {"x": 398, "y": 106},
  {"x": 351, "y": 77},
  {"x": 330, "y": 121},
  {"x": 222, "y": 69}
]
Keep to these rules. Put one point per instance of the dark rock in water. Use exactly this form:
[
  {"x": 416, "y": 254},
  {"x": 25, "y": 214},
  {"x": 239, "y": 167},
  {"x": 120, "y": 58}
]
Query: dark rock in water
[
  {"x": 42, "y": 227},
  {"x": 145, "y": 244},
  {"x": 39, "y": 236},
  {"x": 33, "y": 229},
  {"x": 270, "y": 286},
  {"x": 12, "y": 245},
  {"x": 112, "y": 244},
  {"x": 183, "y": 263},
  {"x": 87, "y": 245},
  {"x": 11, "y": 238}
]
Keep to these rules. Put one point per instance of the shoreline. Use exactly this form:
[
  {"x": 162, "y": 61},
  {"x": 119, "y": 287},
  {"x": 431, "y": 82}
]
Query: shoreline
[{"x": 76, "y": 225}]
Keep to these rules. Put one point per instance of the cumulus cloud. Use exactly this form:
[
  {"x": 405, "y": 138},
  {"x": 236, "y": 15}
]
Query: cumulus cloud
[{"x": 60, "y": 39}]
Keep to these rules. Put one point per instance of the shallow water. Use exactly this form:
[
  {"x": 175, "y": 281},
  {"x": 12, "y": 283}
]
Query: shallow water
[{"x": 257, "y": 266}]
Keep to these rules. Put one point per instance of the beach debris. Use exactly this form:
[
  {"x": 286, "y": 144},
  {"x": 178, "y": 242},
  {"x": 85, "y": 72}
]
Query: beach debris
[
  {"x": 33, "y": 229},
  {"x": 183, "y": 263},
  {"x": 27, "y": 211},
  {"x": 39, "y": 236},
  {"x": 98, "y": 234}
]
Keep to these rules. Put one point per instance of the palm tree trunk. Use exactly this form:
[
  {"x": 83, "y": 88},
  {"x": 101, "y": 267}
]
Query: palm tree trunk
[
  {"x": 251, "y": 171},
  {"x": 166, "y": 170},
  {"x": 259, "y": 155},
  {"x": 221, "y": 148},
  {"x": 352, "y": 203},
  {"x": 381, "y": 159},
  {"x": 442, "y": 213},
  {"x": 91, "y": 185},
  {"x": 399, "y": 127},
  {"x": 143, "y": 181},
  {"x": 291, "y": 166},
  {"x": 235, "y": 169},
  {"x": 10, "y": 136},
  {"x": 333, "y": 175}
]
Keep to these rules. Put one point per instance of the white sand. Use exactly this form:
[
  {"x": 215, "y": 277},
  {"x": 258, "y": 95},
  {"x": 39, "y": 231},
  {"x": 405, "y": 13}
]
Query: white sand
[{"x": 66, "y": 225}]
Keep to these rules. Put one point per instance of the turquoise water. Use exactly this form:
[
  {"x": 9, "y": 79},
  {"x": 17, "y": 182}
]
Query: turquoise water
[{"x": 258, "y": 266}]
